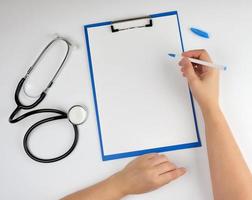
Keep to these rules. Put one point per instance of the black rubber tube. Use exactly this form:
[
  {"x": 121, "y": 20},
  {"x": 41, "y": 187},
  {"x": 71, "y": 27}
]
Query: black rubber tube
[
  {"x": 60, "y": 115},
  {"x": 49, "y": 160}
]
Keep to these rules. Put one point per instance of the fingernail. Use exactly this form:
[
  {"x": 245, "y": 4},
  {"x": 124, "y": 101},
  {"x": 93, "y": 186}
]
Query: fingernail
[{"x": 184, "y": 169}]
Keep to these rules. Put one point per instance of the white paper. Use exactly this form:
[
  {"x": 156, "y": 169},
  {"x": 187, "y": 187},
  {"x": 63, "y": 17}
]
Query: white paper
[{"x": 143, "y": 100}]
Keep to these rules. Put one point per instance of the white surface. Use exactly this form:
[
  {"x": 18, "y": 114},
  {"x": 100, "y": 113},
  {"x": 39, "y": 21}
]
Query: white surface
[
  {"x": 26, "y": 26},
  {"x": 141, "y": 96}
]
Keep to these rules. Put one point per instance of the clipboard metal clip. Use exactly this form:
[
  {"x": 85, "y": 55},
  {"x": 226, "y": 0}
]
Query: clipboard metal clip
[{"x": 127, "y": 24}]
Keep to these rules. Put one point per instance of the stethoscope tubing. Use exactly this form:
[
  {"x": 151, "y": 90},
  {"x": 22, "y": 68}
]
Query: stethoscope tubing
[
  {"x": 29, "y": 132},
  {"x": 20, "y": 105}
]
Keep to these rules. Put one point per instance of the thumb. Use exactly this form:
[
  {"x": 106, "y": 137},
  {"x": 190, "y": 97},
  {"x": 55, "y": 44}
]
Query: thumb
[{"x": 188, "y": 71}]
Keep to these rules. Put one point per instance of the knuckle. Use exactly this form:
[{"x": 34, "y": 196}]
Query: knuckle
[
  {"x": 184, "y": 61},
  {"x": 147, "y": 156},
  {"x": 204, "y": 51},
  {"x": 201, "y": 50},
  {"x": 164, "y": 157}
]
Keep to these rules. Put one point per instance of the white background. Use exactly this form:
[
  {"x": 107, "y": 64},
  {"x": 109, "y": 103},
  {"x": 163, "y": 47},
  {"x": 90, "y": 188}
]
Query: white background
[{"x": 26, "y": 26}]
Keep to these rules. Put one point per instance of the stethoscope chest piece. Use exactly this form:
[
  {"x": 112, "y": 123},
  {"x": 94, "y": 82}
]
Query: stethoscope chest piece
[{"x": 77, "y": 114}]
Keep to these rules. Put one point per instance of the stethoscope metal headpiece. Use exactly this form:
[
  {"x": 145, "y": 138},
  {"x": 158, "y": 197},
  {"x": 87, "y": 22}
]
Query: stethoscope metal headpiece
[{"x": 34, "y": 65}]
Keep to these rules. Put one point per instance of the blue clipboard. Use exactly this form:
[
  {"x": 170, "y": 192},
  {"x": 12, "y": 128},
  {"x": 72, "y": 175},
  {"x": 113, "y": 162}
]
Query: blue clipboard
[{"x": 118, "y": 155}]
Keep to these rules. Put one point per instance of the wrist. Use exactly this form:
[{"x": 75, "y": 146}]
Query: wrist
[
  {"x": 211, "y": 109},
  {"x": 117, "y": 186}
]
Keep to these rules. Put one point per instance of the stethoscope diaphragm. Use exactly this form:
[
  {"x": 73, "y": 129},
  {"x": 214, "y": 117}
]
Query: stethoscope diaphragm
[{"x": 77, "y": 114}]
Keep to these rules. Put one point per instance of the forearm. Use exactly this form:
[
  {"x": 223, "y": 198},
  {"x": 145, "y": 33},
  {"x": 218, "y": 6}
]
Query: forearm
[
  {"x": 231, "y": 178},
  {"x": 143, "y": 174},
  {"x": 105, "y": 190}
]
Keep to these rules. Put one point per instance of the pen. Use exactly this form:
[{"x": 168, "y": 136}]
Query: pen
[{"x": 196, "y": 61}]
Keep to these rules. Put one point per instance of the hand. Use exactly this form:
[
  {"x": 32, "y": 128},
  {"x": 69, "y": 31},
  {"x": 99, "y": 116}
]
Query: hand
[
  {"x": 146, "y": 173},
  {"x": 203, "y": 81}
]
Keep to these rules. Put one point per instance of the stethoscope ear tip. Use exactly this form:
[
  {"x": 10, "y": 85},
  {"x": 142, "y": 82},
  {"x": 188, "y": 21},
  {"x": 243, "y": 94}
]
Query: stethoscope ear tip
[
  {"x": 73, "y": 44},
  {"x": 77, "y": 114}
]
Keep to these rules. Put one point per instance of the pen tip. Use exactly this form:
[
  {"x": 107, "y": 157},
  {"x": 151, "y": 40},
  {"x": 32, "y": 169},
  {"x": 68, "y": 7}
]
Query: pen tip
[{"x": 172, "y": 55}]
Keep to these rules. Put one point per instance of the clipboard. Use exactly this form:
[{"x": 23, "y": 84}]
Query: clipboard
[{"x": 142, "y": 103}]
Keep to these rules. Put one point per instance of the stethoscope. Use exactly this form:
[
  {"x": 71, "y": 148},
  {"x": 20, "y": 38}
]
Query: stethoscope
[{"x": 76, "y": 115}]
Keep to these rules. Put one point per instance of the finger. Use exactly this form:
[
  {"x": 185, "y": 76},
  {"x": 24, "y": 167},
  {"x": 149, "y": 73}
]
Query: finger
[
  {"x": 171, "y": 175},
  {"x": 201, "y": 54},
  {"x": 201, "y": 69},
  {"x": 204, "y": 69},
  {"x": 198, "y": 68},
  {"x": 195, "y": 52},
  {"x": 188, "y": 70},
  {"x": 148, "y": 156},
  {"x": 165, "y": 167},
  {"x": 159, "y": 159}
]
